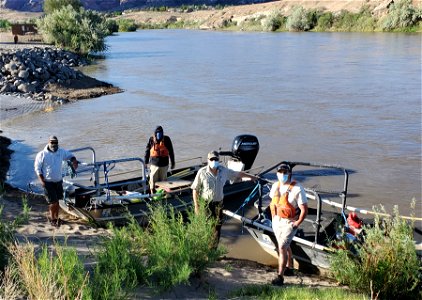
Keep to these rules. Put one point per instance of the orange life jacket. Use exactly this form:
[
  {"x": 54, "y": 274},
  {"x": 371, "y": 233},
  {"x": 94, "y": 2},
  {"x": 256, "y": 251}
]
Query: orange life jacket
[
  {"x": 280, "y": 205},
  {"x": 159, "y": 150}
]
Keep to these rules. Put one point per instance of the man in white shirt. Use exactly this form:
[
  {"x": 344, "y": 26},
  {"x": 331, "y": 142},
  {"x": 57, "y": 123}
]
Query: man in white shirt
[
  {"x": 289, "y": 207},
  {"x": 208, "y": 185},
  {"x": 48, "y": 167}
]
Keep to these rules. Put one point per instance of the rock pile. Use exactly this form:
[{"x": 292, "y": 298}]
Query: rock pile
[{"x": 27, "y": 72}]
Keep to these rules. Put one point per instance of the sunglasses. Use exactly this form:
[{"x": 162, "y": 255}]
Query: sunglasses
[
  {"x": 214, "y": 159},
  {"x": 54, "y": 143}
]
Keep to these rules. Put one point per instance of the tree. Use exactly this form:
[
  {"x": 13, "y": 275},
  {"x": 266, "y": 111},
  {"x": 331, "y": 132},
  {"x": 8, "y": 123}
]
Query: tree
[
  {"x": 80, "y": 31},
  {"x": 52, "y": 5}
]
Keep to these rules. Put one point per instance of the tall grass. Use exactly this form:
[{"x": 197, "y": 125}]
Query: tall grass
[
  {"x": 386, "y": 265},
  {"x": 50, "y": 277},
  {"x": 126, "y": 25},
  {"x": 119, "y": 264},
  {"x": 177, "y": 249},
  {"x": 7, "y": 228}
]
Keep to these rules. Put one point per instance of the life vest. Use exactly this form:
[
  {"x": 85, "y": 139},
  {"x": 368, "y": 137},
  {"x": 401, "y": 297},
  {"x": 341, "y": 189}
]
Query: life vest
[
  {"x": 280, "y": 205},
  {"x": 159, "y": 150},
  {"x": 354, "y": 223}
]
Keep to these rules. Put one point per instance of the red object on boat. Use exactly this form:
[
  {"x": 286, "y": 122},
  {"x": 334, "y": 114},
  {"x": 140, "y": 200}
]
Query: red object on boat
[{"x": 355, "y": 223}]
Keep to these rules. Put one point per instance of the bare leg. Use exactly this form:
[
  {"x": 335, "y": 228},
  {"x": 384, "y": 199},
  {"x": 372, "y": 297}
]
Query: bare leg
[
  {"x": 289, "y": 258},
  {"x": 282, "y": 260},
  {"x": 54, "y": 210}
]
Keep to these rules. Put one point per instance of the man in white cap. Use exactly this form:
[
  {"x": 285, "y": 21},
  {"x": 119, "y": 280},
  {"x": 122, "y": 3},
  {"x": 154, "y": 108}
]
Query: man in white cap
[
  {"x": 289, "y": 207},
  {"x": 208, "y": 186},
  {"x": 48, "y": 167}
]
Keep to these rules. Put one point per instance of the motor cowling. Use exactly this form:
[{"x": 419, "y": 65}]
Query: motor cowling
[{"x": 246, "y": 148}]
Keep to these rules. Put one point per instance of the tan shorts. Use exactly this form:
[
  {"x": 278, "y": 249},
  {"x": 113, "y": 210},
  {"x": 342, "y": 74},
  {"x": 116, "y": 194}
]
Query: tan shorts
[
  {"x": 157, "y": 174},
  {"x": 283, "y": 231}
]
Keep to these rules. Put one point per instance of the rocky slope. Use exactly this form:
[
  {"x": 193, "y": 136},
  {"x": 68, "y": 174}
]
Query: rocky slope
[{"x": 114, "y": 5}]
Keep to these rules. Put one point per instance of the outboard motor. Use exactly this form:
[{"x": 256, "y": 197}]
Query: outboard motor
[{"x": 246, "y": 148}]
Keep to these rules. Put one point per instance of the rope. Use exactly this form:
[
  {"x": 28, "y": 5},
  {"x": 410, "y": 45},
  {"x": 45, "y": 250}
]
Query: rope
[{"x": 249, "y": 198}]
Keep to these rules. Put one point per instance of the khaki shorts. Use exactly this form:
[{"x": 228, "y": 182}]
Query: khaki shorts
[
  {"x": 157, "y": 174},
  {"x": 283, "y": 231}
]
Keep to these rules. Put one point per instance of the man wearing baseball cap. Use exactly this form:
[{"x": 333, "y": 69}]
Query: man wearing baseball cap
[
  {"x": 48, "y": 167},
  {"x": 289, "y": 207},
  {"x": 208, "y": 186}
]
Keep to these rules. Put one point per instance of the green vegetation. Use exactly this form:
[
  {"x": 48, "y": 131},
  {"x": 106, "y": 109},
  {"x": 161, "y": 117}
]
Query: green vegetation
[
  {"x": 52, "y": 5},
  {"x": 295, "y": 293},
  {"x": 386, "y": 265},
  {"x": 4, "y": 24},
  {"x": 167, "y": 252},
  {"x": 402, "y": 17},
  {"x": 80, "y": 31},
  {"x": 126, "y": 25},
  {"x": 7, "y": 228}
]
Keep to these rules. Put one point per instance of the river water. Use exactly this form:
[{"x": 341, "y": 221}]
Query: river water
[{"x": 350, "y": 99}]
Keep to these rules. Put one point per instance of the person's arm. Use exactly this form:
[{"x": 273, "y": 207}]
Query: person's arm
[
  {"x": 38, "y": 168},
  {"x": 242, "y": 174},
  {"x": 303, "y": 206},
  {"x": 147, "y": 151},
  {"x": 303, "y": 213},
  {"x": 169, "y": 146},
  {"x": 195, "y": 201}
]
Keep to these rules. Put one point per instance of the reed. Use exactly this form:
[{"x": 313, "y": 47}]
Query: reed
[
  {"x": 119, "y": 264},
  {"x": 386, "y": 264},
  {"x": 7, "y": 228},
  {"x": 49, "y": 276},
  {"x": 177, "y": 249}
]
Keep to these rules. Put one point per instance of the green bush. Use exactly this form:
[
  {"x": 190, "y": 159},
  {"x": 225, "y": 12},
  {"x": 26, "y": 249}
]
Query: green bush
[
  {"x": 4, "y": 24},
  {"x": 52, "y": 5},
  {"x": 298, "y": 20},
  {"x": 386, "y": 264},
  {"x": 119, "y": 267},
  {"x": 176, "y": 249},
  {"x": 80, "y": 31},
  {"x": 112, "y": 26},
  {"x": 126, "y": 25},
  {"x": 401, "y": 14},
  {"x": 325, "y": 21},
  {"x": 274, "y": 21}
]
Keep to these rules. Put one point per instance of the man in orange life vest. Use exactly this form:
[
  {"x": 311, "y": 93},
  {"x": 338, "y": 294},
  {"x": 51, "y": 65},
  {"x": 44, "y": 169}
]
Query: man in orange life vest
[
  {"x": 289, "y": 207},
  {"x": 158, "y": 152}
]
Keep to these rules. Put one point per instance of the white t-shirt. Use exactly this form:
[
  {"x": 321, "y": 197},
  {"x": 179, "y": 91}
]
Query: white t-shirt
[{"x": 297, "y": 195}]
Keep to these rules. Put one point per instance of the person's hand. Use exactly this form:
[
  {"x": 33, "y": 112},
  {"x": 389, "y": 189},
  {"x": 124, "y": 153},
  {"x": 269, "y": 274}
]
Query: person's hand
[
  {"x": 173, "y": 165},
  {"x": 75, "y": 164}
]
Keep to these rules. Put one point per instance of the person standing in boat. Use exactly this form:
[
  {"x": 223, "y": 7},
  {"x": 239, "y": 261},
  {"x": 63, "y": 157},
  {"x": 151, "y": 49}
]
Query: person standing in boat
[
  {"x": 289, "y": 207},
  {"x": 158, "y": 154},
  {"x": 208, "y": 186},
  {"x": 48, "y": 167}
]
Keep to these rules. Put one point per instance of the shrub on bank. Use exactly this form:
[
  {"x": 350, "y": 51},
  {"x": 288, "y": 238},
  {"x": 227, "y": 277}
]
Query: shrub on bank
[
  {"x": 4, "y": 24},
  {"x": 386, "y": 265},
  {"x": 298, "y": 20},
  {"x": 126, "y": 25},
  {"x": 401, "y": 14},
  {"x": 80, "y": 31}
]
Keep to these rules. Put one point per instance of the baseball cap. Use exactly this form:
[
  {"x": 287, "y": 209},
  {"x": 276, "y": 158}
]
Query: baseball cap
[
  {"x": 53, "y": 139},
  {"x": 283, "y": 168},
  {"x": 213, "y": 154}
]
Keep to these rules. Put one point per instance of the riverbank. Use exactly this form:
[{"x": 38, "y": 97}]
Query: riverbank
[{"x": 222, "y": 278}]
